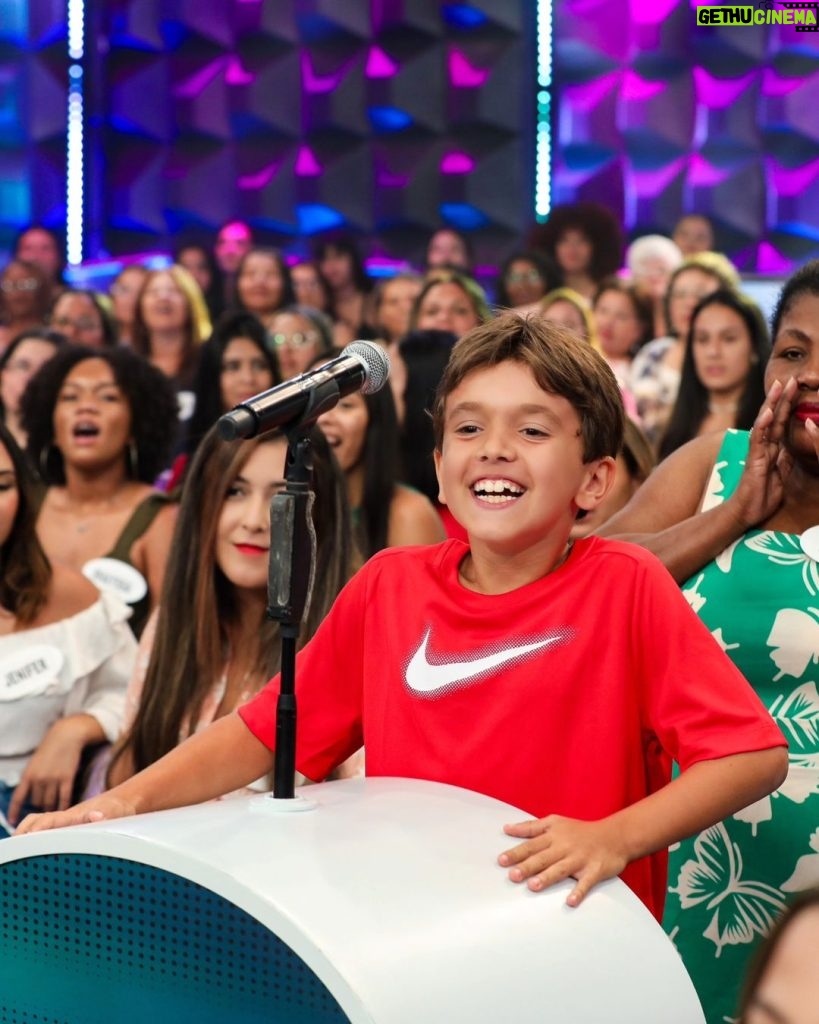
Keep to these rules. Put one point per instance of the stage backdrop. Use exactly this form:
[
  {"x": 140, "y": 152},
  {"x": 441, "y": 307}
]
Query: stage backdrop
[
  {"x": 392, "y": 116},
  {"x": 387, "y": 117},
  {"x": 657, "y": 116}
]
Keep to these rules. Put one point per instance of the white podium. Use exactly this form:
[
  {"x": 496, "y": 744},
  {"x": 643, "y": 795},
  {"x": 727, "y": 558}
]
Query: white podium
[{"x": 383, "y": 905}]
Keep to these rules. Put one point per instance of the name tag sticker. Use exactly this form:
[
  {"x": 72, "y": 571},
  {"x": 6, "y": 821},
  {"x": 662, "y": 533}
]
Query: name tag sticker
[
  {"x": 185, "y": 402},
  {"x": 115, "y": 577},
  {"x": 29, "y": 671}
]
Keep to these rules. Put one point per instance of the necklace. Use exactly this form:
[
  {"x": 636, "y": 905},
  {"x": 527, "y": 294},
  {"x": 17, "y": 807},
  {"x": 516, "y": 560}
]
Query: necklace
[{"x": 720, "y": 408}]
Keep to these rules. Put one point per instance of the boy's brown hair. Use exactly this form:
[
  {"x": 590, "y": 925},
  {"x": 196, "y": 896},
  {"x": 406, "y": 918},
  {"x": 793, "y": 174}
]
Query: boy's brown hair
[{"x": 561, "y": 363}]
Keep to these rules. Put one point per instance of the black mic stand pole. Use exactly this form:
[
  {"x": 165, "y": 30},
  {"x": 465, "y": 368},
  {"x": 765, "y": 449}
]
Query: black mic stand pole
[{"x": 290, "y": 575}]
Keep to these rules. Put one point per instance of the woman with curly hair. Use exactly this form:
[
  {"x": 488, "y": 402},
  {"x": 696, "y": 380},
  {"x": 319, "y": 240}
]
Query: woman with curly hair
[
  {"x": 99, "y": 425},
  {"x": 586, "y": 243},
  {"x": 72, "y": 645},
  {"x": 210, "y": 646}
]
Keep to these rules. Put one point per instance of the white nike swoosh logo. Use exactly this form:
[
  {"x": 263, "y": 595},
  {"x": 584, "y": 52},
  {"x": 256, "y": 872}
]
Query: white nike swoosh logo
[{"x": 423, "y": 678}]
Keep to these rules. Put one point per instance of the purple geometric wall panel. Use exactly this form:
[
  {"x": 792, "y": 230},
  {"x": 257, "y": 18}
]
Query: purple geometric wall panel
[
  {"x": 658, "y": 116},
  {"x": 387, "y": 117}
]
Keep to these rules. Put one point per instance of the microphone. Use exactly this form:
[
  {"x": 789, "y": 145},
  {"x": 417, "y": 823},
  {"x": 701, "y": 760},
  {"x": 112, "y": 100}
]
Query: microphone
[{"x": 362, "y": 366}]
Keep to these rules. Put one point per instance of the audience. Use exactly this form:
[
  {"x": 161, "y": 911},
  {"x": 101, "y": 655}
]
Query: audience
[
  {"x": 79, "y": 650},
  {"x": 722, "y": 382},
  {"x": 362, "y": 431},
  {"x": 782, "y": 986},
  {"x": 568, "y": 308},
  {"x": 210, "y": 647},
  {"x": 24, "y": 299},
  {"x": 394, "y": 299},
  {"x": 634, "y": 464},
  {"x": 124, "y": 292},
  {"x": 524, "y": 279},
  {"x": 730, "y": 514},
  {"x": 655, "y": 373},
  {"x": 236, "y": 364},
  {"x": 84, "y": 318},
  {"x": 651, "y": 260},
  {"x": 18, "y": 364},
  {"x": 310, "y": 286},
  {"x": 201, "y": 264},
  {"x": 449, "y": 301},
  {"x": 342, "y": 267},
  {"x": 298, "y": 335},
  {"x": 233, "y": 241},
  {"x": 584, "y": 241},
  {"x": 692, "y": 234},
  {"x": 42, "y": 246},
  {"x": 424, "y": 355},
  {"x": 624, "y": 323},
  {"x": 263, "y": 284},
  {"x": 170, "y": 325},
  {"x": 100, "y": 424},
  {"x": 449, "y": 248}
]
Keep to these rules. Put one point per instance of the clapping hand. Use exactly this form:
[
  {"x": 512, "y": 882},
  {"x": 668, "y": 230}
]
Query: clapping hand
[{"x": 768, "y": 463}]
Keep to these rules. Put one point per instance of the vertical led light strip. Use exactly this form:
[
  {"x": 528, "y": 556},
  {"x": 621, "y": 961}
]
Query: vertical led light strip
[
  {"x": 543, "y": 141},
  {"x": 74, "y": 141}
]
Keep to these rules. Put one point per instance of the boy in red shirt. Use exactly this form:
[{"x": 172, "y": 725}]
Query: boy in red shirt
[{"x": 560, "y": 678}]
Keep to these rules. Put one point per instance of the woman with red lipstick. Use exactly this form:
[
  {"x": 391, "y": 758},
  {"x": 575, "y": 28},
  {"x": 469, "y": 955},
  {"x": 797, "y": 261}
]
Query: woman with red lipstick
[
  {"x": 100, "y": 423},
  {"x": 734, "y": 516},
  {"x": 723, "y": 376},
  {"x": 210, "y": 646}
]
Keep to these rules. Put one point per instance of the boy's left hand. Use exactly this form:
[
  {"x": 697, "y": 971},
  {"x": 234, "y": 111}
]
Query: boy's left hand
[{"x": 558, "y": 848}]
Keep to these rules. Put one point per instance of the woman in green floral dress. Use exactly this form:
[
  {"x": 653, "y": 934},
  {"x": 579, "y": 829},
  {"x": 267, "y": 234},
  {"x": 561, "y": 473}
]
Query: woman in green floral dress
[{"x": 735, "y": 518}]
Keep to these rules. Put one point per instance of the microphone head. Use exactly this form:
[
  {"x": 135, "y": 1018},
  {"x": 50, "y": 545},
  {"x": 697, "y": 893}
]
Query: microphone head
[
  {"x": 239, "y": 422},
  {"x": 376, "y": 364}
]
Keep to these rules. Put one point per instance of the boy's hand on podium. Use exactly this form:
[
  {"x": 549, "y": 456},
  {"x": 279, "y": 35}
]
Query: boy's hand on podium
[{"x": 557, "y": 848}]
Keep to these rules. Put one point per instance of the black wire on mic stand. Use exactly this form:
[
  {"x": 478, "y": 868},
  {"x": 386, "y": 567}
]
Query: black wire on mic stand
[{"x": 290, "y": 574}]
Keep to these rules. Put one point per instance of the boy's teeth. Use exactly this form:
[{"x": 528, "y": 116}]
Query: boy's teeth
[{"x": 497, "y": 492}]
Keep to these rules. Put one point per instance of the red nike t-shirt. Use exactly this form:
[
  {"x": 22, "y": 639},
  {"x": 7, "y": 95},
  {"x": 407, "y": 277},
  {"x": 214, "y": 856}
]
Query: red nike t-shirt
[{"x": 567, "y": 696}]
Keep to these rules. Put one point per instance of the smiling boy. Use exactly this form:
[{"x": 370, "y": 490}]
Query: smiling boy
[{"x": 559, "y": 678}]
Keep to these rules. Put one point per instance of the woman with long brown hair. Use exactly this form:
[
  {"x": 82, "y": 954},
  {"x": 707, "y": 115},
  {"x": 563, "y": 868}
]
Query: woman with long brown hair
[{"x": 210, "y": 648}]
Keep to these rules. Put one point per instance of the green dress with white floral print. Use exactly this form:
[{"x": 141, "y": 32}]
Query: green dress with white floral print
[{"x": 760, "y": 599}]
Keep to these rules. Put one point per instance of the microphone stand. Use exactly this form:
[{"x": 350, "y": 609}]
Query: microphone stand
[{"x": 290, "y": 575}]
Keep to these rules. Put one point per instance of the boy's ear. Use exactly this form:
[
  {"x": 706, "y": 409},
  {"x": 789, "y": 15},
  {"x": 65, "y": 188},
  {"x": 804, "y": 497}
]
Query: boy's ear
[
  {"x": 436, "y": 457},
  {"x": 598, "y": 480}
]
